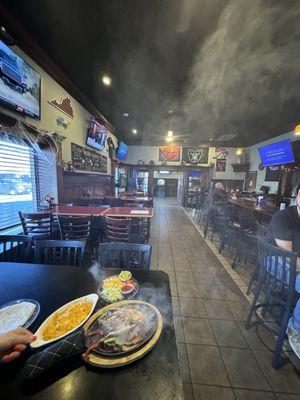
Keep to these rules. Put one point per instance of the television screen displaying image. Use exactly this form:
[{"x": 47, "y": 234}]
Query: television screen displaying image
[
  {"x": 96, "y": 136},
  {"x": 20, "y": 84},
  {"x": 276, "y": 153},
  {"x": 122, "y": 151}
]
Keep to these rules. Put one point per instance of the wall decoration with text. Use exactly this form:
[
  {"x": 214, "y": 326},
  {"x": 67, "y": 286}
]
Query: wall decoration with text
[
  {"x": 64, "y": 105},
  {"x": 169, "y": 153},
  {"x": 195, "y": 155},
  {"x": 87, "y": 160},
  {"x": 61, "y": 121}
]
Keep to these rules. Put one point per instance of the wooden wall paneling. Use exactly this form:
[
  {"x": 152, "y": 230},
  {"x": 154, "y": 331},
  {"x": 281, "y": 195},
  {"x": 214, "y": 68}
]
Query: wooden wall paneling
[{"x": 74, "y": 185}]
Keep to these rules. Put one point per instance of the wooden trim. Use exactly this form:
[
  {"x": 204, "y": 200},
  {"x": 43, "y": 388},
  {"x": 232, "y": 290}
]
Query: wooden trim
[{"x": 28, "y": 44}]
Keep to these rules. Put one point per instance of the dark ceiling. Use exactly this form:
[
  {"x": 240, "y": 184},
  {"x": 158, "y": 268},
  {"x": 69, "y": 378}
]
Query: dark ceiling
[{"x": 224, "y": 67}]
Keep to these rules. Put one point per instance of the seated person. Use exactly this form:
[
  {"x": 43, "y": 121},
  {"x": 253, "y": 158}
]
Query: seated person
[
  {"x": 284, "y": 231},
  {"x": 12, "y": 343},
  {"x": 218, "y": 193},
  {"x": 215, "y": 195}
]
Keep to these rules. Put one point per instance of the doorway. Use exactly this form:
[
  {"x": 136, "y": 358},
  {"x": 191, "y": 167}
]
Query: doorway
[{"x": 165, "y": 183}]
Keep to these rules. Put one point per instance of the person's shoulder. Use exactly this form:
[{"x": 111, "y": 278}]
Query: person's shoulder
[
  {"x": 292, "y": 210},
  {"x": 283, "y": 215},
  {"x": 280, "y": 215}
]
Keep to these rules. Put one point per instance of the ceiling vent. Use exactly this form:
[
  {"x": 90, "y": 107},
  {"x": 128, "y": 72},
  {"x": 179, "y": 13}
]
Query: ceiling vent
[{"x": 226, "y": 137}]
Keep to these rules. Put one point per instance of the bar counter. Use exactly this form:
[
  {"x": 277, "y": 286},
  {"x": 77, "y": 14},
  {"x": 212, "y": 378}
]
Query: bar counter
[{"x": 263, "y": 213}]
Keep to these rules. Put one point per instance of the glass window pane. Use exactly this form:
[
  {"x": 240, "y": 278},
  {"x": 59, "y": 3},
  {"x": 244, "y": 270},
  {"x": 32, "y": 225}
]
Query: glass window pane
[{"x": 17, "y": 182}]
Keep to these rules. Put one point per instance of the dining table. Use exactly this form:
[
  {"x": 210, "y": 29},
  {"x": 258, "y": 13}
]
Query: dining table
[
  {"x": 80, "y": 211},
  {"x": 146, "y": 213},
  {"x": 156, "y": 376},
  {"x": 98, "y": 199}
]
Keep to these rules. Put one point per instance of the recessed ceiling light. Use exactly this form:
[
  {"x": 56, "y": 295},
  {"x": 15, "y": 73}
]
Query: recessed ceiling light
[
  {"x": 106, "y": 80},
  {"x": 169, "y": 139},
  {"x": 170, "y": 112},
  {"x": 134, "y": 131},
  {"x": 170, "y": 134},
  {"x": 210, "y": 139},
  {"x": 126, "y": 115}
]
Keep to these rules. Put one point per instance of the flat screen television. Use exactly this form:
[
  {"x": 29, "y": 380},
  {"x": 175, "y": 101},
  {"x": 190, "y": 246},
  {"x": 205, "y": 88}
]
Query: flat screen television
[
  {"x": 20, "y": 84},
  {"x": 296, "y": 150},
  {"x": 276, "y": 153},
  {"x": 122, "y": 151},
  {"x": 96, "y": 136}
]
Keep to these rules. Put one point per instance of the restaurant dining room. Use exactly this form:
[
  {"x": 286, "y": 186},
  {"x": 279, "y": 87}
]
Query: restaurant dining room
[{"x": 150, "y": 200}]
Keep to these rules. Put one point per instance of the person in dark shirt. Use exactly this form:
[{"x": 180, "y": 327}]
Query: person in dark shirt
[
  {"x": 284, "y": 231},
  {"x": 218, "y": 193},
  {"x": 284, "y": 228}
]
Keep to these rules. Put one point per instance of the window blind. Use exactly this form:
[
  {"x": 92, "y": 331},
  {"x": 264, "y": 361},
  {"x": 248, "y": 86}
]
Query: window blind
[
  {"x": 46, "y": 181},
  {"x": 17, "y": 182}
]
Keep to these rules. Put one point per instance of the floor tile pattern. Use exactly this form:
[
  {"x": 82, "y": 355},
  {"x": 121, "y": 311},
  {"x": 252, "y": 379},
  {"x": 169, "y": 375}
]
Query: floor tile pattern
[{"x": 219, "y": 358}]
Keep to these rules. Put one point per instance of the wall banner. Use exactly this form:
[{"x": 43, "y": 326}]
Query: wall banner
[
  {"x": 169, "y": 153},
  {"x": 195, "y": 155}
]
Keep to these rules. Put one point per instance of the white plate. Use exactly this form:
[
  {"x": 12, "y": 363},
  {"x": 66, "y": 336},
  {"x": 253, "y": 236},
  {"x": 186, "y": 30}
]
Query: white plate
[
  {"x": 93, "y": 298},
  {"x": 24, "y": 321}
]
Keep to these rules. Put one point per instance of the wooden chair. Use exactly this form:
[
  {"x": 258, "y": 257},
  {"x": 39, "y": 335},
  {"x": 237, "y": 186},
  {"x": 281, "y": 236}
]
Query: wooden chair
[
  {"x": 118, "y": 229},
  {"x": 139, "y": 225},
  {"x": 125, "y": 255},
  {"x": 15, "y": 248},
  {"x": 37, "y": 224},
  {"x": 59, "y": 252},
  {"x": 73, "y": 227}
]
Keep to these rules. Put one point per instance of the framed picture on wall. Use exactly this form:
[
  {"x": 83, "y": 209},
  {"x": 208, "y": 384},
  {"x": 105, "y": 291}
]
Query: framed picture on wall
[
  {"x": 272, "y": 174},
  {"x": 250, "y": 183},
  {"x": 221, "y": 165}
]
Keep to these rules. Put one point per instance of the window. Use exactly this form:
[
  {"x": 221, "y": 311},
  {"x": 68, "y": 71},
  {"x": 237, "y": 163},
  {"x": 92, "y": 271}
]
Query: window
[{"x": 17, "y": 182}]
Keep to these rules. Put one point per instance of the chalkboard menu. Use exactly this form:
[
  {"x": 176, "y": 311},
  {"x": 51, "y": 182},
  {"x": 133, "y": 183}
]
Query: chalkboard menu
[{"x": 87, "y": 160}]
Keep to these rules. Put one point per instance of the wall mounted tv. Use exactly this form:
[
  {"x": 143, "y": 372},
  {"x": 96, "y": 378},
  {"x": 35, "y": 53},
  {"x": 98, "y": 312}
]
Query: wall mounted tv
[
  {"x": 20, "y": 84},
  {"x": 276, "y": 153},
  {"x": 122, "y": 151},
  {"x": 96, "y": 136}
]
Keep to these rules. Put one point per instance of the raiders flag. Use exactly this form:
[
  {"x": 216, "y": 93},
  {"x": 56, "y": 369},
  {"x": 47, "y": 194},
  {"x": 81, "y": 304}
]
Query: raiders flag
[{"x": 195, "y": 155}]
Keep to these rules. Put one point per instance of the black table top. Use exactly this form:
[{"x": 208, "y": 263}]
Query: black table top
[{"x": 156, "y": 376}]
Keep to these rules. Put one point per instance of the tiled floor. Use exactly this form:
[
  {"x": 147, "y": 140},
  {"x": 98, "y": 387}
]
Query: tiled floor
[{"x": 219, "y": 358}]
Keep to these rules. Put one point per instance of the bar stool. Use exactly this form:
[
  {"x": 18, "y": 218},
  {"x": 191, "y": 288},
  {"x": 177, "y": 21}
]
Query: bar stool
[
  {"x": 246, "y": 249},
  {"x": 229, "y": 230},
  {"x": 276, "y": 284},
  {"x": 260, "y": 234}
]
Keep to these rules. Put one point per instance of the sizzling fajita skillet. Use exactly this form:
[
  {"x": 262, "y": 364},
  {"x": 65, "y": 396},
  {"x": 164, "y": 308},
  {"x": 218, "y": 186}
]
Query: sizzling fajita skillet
[{"x": 114, "y": 336}]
